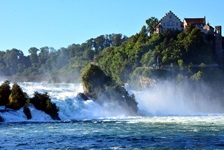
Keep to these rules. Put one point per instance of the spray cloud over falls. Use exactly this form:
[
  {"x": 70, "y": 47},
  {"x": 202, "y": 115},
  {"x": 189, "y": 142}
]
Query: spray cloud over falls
[{"x": 170, "y": 98}]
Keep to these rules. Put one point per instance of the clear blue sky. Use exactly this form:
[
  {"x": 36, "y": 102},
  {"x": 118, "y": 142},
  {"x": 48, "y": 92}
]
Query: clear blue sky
[{"x": 59, "y": 23}]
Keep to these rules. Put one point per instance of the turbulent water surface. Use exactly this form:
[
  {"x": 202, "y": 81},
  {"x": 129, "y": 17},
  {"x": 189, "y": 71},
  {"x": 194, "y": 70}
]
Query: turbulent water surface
[{"x": 164, "y": 121}]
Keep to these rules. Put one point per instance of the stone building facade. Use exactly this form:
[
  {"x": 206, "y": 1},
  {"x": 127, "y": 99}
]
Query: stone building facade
[{"x": 169, "y": 22}]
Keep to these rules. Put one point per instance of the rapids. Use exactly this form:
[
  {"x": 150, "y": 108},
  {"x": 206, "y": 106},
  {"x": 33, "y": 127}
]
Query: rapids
[
  {"x": 162, "y": 100},
  {"x": 168, "y": 118}
]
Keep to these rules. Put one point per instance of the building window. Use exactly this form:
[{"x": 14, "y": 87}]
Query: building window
[
  {"x": 171, "y": 23},
  {"x": 176, "y": 23}
]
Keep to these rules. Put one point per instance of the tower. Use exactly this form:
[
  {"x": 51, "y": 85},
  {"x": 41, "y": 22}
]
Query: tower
[
  {"x": 218, "y": 43},
  {"x": 218, "y": 30}
]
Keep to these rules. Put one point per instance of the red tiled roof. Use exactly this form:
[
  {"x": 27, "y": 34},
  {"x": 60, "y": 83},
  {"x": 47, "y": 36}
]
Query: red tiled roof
[{"x": 195, "y": 20}]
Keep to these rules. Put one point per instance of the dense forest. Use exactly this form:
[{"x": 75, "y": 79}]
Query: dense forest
[
  {"x": 188, "y": 54},
  {"x": 48, "y": 64}
]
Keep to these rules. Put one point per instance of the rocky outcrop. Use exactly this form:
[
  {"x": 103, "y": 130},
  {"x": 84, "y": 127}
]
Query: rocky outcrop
[
  {"x": 94, "y": 81},
  {"x": 100, "y": 87},
  {"x": 27, "y": 112},
  {"x": 82, "y": 96}
]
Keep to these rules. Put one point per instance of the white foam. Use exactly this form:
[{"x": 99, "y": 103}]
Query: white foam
[{"x": 163, "y": 100}]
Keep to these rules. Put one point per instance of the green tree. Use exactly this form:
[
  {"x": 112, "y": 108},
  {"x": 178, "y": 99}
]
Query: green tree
[
  {"x": 43, "y": 55},
  {"x": 143, "y": 35},
  {"x": 62, "y": 58},
  {"x": 88, "y": 54},
  {"x": 12, "y": 59},
  {"x": 117, "y": 39},
  {"x": 3, "y": 65},
  {"x": 33, "y": 56},
  {"x": 152, "y": 22}
]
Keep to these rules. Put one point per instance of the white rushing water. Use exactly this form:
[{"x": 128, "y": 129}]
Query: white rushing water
[
  {"x": 157, "y": 101},
  {"x": 64, "y": 95},
  {"x": 168, "y": 119}
]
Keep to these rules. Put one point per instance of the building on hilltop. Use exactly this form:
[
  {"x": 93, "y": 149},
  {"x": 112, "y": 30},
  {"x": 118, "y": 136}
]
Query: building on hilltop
[
  {"x": 169, "y": 22},
  {"x": 195, "y": 22},
  {"x": 199, "y": 23},
  {"x": 207, "y": 29}
]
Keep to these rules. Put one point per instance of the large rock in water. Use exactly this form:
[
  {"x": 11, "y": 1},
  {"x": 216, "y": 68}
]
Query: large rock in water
[{"x": 103, "y": 89}]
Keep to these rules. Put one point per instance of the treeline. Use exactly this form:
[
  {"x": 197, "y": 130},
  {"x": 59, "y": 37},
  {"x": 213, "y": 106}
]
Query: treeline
[
  {"x": 171, "y": 50},
  {"x": 48, "y": 64},
  {"x": 181, "y": 54}
]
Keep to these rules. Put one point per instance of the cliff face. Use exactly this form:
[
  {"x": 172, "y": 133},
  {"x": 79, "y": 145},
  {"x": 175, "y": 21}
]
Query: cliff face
[{"x": 103, "y": 89}]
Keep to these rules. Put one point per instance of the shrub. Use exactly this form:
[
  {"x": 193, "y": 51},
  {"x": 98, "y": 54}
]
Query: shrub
[
  {"x": 43, "y": 102},
  {"x": 17, "y": 98}
]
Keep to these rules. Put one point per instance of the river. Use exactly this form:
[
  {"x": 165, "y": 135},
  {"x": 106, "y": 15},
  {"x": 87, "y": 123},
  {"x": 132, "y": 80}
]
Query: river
[{"x": 165, "y": 120}]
